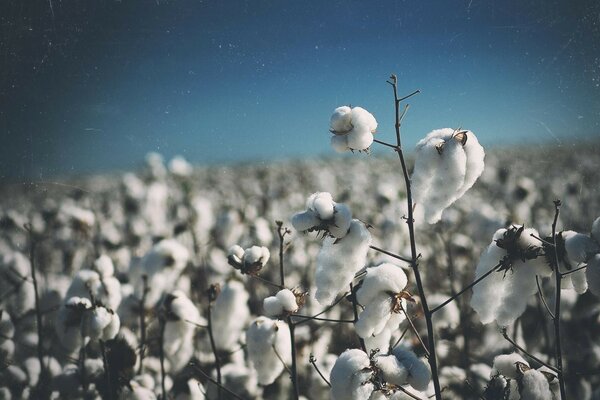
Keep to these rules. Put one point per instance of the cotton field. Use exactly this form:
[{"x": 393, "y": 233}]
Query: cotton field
[{"x": 295, "y": 279}]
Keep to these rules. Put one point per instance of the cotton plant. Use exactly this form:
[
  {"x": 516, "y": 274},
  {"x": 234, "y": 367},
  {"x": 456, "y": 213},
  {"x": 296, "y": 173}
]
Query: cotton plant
[
  {"x": 269, "y": 349},
  {"x": 250, "y": 260},
  {"x": 15, "y": 284},
  {"x": 323, "y": 215},
  {"x": 99, "y": 282},
  {"x": 352, "y": 129},
  {"x": 383, "y": 298},
  {"x": 230, "y": 313},
  {"x": 351, "y": 376},
  {"x": 513, "y": 378},
  {"x": 180, "y": 167},
  {"x": 403, "y": 367},
  {"x": 162, "y": 265},
  {"x": 448, "y": 162},
  {"x": 339, "y": 260},
  {"x": 180, "y": 317},
  {"x": 515, "y": 255}
]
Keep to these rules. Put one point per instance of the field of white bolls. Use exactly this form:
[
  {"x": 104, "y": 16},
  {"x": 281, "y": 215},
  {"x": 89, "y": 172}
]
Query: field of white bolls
[{"x": 177, "y": 282}]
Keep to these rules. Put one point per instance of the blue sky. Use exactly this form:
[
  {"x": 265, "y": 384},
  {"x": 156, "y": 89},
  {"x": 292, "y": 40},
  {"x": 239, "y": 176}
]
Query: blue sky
[{"x": 95, "y": 86}]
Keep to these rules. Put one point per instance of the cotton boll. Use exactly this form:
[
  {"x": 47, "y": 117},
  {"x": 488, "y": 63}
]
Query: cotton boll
[
  {"x": 579, "y": 281},
  {"x": 475, "y": 164},
  {"x": 179, "y": 166},
  {"x": 579, "y": 247},
  {"x": 263, "y": 338},
  {"x": 350, "y": 376},
  {"x": 339, "y": 260},
  {"x": 341, "y": 221},
  {"x": 596, "y": 230},
  {"x": 534, "y": 386},
  {"x": 363, "y": 120},
  {"x": 7, "y": 328},
  {"x": 230, "y": 314},
  {"x": 381, "y": 342},
  {"x": 256, "y": 254},
  {"x": 393, "y": 370},
  {"x": 341, "y": 120},
  {"x": 506, "y": 364},
  {"x": 592, "y": 273},
  {"x": 305, "y": 220},
  {"x": 359, "y": 140},
  {"x": 99, "y": 323},
  {"x": 134, "y": 391},
  {"x": 340, "y": 143},
  {"x": 104, "y": 266},
  {"x": 385, "y": 277},
  {"x": 272, "y": 306},
  {"x": 69, "y": 320},
  {"x": 287, "y": 299},
  {"x": 419, "y": 374},
  {"x": 322, "y": 203},
  {"x": 237, "y": 252},
  {"x": 373, "y": 319}
]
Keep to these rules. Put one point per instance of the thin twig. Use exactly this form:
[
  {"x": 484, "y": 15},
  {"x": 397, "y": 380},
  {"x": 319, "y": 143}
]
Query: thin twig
[
  {"x": 415, "y": 331},
  {"x": 347, "y": 321},
  {"x": 212, "y": 294},
  {"x": 161, "y": 355},
  {"x": 335, "y": 303},
  {"x": 143, "y": 323},
  {"x": 208, "y": 377},
  {"x": 541, "y": 294},
  {"x": 106, "y": 368},
  {"x": 313, "y": 361},
  {"x": 528, "y": 354},
  {"x": 388, "y": 253},
  {"x": 556, "y": 319},
  {"x": 266, "y": 281},
  {"x": 573, "y": 270},
  {"x": 381, "y": 142},
  {"x": 401, "y": 337}
]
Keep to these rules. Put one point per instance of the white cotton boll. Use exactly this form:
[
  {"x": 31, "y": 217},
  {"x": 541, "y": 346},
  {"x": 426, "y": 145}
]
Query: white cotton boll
[
  {"x": 373, "y": 319},
  {"x": 596, "y": 230},
  {"x": 341, "y": 120},
  {"x": 579, "y": 281},
  {"x": 535, "y": 386},
  {"x": 349, "y": 376},
  {"x": 506, "y": 364},
  {"x": 287, "y": 298},
  {"x": 230, "y": 314},
  {"x": 340, "y": 143},
  {"x": 237, "y": 252},
  {"x": 393, "y": 370},
  {"x": 180, "y": 167},
  {"x": 385, "y": 277},
  {"x": 381, "y": 342},
  {"x": 592, "y": 273},
  {"x": 339, "y": 260},
  {"x": 69, "y": 320},
  {"x": 104, "y": 266},
  {"x": 448, "y": 179},
  {"x": 305, "y": 220},
  {"x": 94, "y": 322},
  {"x": 475, "y": 162},
  {"x": 7, "y": 328},
  {"x": 112, "y": 329},
  {"x": 341, "y": 220},
  {"x": 363, "y": 120},
  {"x": 134, "y": 391},
  {"x": 419, "y": 374},
  {"x": 272, "y": 306},
  {"x": 322, "y": 203},
  {"x": 579, "y": 247},
  {"x": 359, "y": 140},
  {"x": 256, "y": 254},
  {"x": 263, "y": 338},
  {"x": 520, "y": 285}
]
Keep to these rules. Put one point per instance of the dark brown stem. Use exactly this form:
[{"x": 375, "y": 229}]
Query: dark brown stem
[
  {"x": 281, "y": 232},
  {"x": 213, "y": 346},
  {"x": 522, "y": 350},
  {"x": 556, "y": 318},
  {"x": 38, "y": 313},
  {"x": 323, "y": 312},
  {"x": 411, "y": 231},
  {"x": 313, "y": 361},
  {"x": 161, "y": 354},
  {"x": 143, "y": 323},
  {"x": 388, "y": 253}
]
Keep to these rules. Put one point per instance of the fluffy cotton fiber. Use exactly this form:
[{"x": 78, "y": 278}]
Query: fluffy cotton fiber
[
  {"x": 353, "y": 129},
  {"x": 350, "y": 376},
  {"x": 339, "y": 260},
  {"x": 267, "y": 341}
]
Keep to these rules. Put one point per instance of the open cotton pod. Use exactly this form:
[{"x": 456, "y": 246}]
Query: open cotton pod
[
  {"x": 352, "y": 128},
  {"x": 448, "y": 162}
]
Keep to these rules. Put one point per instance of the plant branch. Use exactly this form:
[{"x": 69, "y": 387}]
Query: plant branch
[
  {"x": 411, "y": 231},
  {"x": 212, "y": 295},
  {"x": 335, "y": 303},
  {"x": 313, "y": 361},
  {"x": 220, "y": 386},
  {"x": 556, "y": 319},
  {"x": 415, "y": 331},
  {"x": 388, "y": 253},
  {"x": 528, "y": 354},
  {"x": 541, "y": 294},
  {"x": 143, "y": 323},
  {"x": 355, "y": 311},
  {"x": 161, "y": 355}
]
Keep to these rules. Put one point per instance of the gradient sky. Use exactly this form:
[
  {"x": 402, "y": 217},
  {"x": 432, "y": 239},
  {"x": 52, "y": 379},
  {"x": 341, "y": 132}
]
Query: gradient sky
[{"x": 94, "y": 85}]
